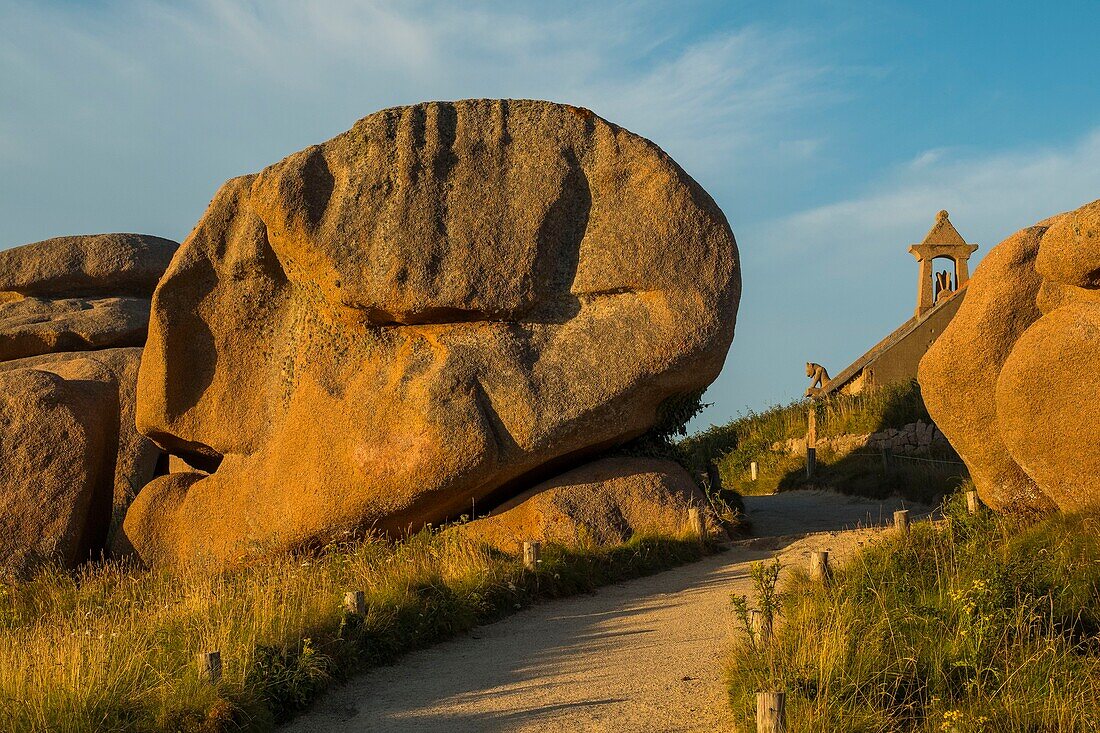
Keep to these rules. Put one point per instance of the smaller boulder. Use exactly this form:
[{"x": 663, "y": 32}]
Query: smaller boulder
[
  {"x": 33, "y": 326},
  {"x": 605, "y": 502},
  {"x": 57, "y": 439},
  {"x": 93, "y": 264}
]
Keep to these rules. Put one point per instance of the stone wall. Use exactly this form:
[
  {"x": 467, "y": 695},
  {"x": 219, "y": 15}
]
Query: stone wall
[{"x": 912, "y": 439}]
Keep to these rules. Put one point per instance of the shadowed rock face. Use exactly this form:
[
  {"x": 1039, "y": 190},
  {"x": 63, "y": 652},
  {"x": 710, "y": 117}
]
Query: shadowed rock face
[
  {"x": 604, "y": 502},
  {"x": 1012, "y": 381},
  {"x": 419, "y": 313}
]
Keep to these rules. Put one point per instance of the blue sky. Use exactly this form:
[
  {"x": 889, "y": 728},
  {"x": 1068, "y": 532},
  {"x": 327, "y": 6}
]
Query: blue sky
[{"x": 829, "y": 132}]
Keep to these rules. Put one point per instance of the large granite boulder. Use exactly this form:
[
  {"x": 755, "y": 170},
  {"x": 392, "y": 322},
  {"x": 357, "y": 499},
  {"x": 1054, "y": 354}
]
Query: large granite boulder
[
  {"x": 958, "y": 374},
  {"x": 604, "y": 502},
  {"x": 1010, "y": 381},
  {"x": 1048, "y": 394},
  {"x": 70, "y": 453},
  {"x": 424, "y": 311}
]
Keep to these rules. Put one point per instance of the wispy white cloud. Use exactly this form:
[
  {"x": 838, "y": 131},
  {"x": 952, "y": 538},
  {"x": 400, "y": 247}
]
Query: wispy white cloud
[
  {"x": 111, "y": 98},
  {"x": 989, "y": 196}
]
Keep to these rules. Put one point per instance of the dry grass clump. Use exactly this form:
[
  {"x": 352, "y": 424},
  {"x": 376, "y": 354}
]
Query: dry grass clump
[
  {"x": 112, "y": 648},
  {"x": 968, "y": 625}
]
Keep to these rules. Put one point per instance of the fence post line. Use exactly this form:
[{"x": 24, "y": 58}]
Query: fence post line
[
  {"x": 753, "y": 470},
  {"x": 761, "y": 625},
  {"x": 819, "y": 566},
  {"x": 355, "y": 601},
  {"x": 972, "y": 502},
  {"x": 210, "y": 666},
  {"x": 811, "y": 442},
  {"x": 531, "y": 553},
  {"x": 771, "y": 712},
  {"x": 901, "y": 520},
  {"x": 696, "y": 522}
]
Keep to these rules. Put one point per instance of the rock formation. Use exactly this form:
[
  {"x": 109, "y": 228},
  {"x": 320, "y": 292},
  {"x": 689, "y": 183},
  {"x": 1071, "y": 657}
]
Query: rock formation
[
  {"x": 604, "y": 502},
  {"x": 1011, "y": 382},
  {"x": 72, "y": 457},
  {"x": 443, "y": 304}
]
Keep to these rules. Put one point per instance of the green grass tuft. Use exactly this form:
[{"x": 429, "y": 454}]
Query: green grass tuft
[{"x": 972, "y": 624}]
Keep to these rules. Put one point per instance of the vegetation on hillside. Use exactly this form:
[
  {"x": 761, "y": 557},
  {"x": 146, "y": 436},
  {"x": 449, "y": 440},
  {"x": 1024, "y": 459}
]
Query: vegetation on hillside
[
  {"x": 970, "y": 624},
  {"x": 750, "y": 438},
  {"x": 113, "y": 647}
]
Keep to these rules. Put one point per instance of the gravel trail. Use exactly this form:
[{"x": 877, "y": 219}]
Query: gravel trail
[{"x": 645, "y": 655}]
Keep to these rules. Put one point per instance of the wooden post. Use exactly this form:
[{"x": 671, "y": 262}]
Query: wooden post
[
  {"x": 819, "y": 567},
  {"x": 972, "y": 502},
  {"x": 901, "y": 520},
  {"x": 355, "y": 601},
  {"x": 695, "y": 521},
  {"x": 886, "y": 460},
  {"x": 531, "y": 552},
  {"x": 210, "y": 667},
  {"x": 811, "y": 441},
  {"x": 771, "y": 712},
  {"x": 761, "y": 625},
  {"x": 714, "y": 478},
  {"x": 753, "y": 470}
]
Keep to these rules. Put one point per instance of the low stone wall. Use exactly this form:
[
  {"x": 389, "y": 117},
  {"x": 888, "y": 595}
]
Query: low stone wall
[{"x": 912, "y": 439}]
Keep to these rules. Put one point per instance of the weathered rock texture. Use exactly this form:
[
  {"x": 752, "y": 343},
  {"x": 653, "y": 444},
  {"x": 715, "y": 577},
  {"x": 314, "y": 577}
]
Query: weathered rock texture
[
  {"x": 422, "y": 311},
  {"x": 1011, "y": 381},
  {"x": 601, "y": 503},
  {"x": 58, "y": 431},
  {"x": 71, "y": 456}
]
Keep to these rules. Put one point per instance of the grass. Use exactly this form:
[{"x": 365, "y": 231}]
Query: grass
[
  {"x": 750, "y": 438},
  {"x": 967, "y": 625},
  {"x": 112, "y": 648}
]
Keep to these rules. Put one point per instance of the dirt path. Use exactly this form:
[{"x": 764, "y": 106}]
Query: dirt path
[{"x": 646, "y": 655}]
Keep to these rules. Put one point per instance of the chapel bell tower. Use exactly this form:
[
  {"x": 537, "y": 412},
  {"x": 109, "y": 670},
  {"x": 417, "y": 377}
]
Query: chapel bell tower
[{"x": 942, "y": 242}]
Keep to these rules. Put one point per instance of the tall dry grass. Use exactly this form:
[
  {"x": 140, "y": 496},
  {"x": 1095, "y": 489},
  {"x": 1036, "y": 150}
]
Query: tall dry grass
[
  {"x": 112, "y": 648},
  {"x": 969, "y": 625}
]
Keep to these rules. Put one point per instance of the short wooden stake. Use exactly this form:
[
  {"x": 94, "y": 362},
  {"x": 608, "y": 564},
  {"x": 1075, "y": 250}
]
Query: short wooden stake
[
  {"x": 901, "y": 520},
  {"x": 972, "y": 502},
  {"x": 811, "y": 461},
  {"x": 355, "y": 601},
  {"x": 531, "y": 552},
  {"x": 210, "y": 667},
  {"x": 771, "y": 712},
  {"x": 819, "y": 566},
  {"x": 753, "y": 470},
  {"x": 695, "y": 521},
  {"x": 761, "y": 625}
]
